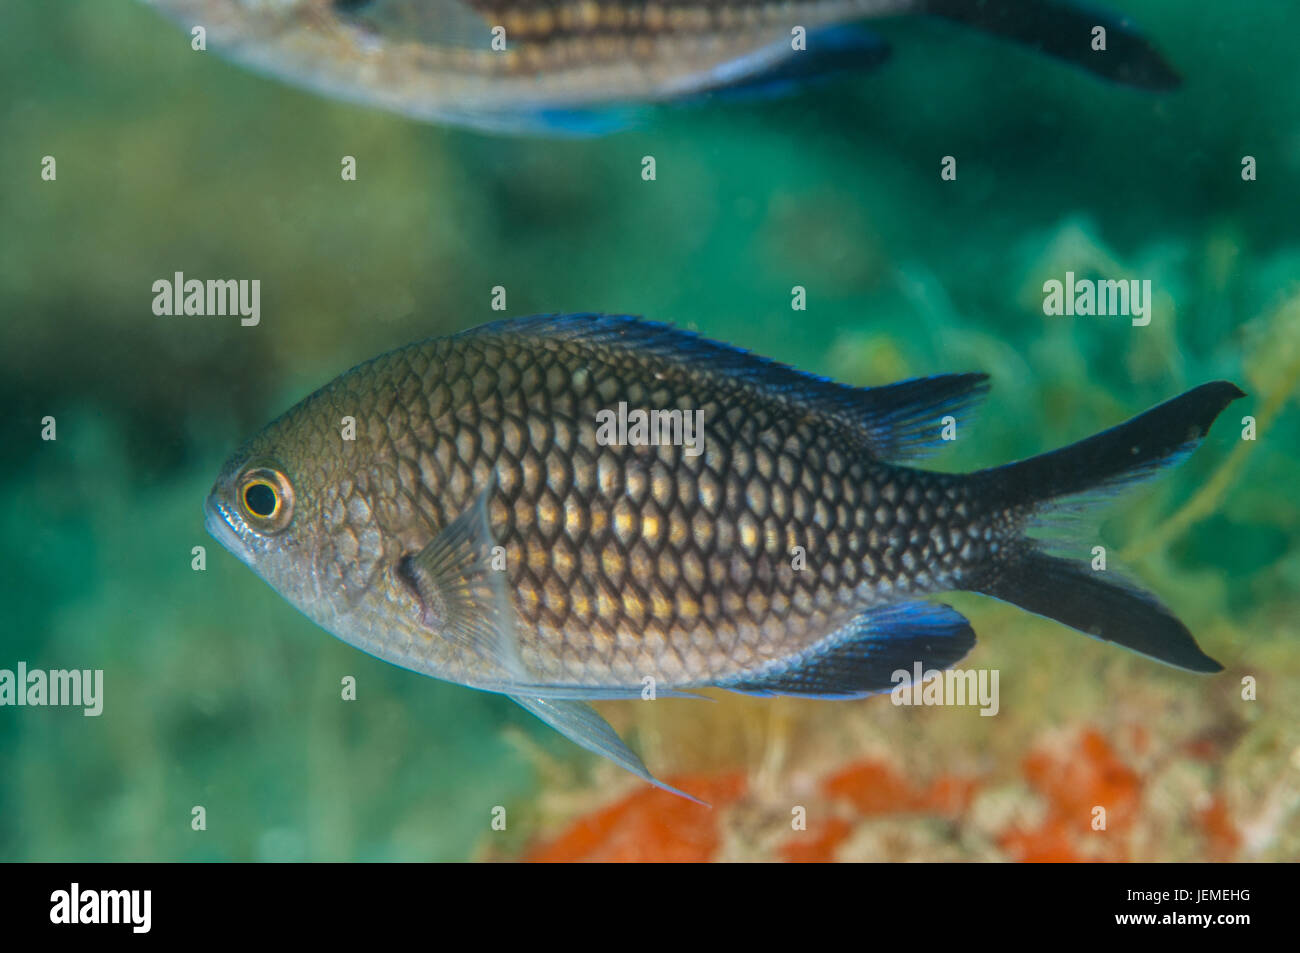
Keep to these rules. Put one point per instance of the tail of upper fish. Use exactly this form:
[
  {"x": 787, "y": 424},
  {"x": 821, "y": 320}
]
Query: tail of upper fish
[
  {"x": 1093, "y": 602},
  {"x": 1099, "y": 41},
  {"x": 1071, "y": 32}
]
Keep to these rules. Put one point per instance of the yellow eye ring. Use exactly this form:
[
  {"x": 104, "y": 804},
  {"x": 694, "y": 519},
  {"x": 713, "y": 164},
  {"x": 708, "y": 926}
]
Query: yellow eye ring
[{"x": 266, "y": 499}]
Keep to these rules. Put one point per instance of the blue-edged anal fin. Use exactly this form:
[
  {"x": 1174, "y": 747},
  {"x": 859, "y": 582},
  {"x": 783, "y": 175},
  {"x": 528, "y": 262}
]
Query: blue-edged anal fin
[
  {"x": 580, "y": 723},
  {"x": 771, "y": 70},
  {"x": 559, "y": 121},
  {"x": 864, "y": 656},
  {"x": 780, "y": 68}
]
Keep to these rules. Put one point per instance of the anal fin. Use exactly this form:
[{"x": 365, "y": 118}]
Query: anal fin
[
  {"x": 861, "y": 657},
  {"x": 778, "y": 68}
]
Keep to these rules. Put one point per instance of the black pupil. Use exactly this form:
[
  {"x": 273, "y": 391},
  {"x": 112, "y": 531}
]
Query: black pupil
[{"x": 260, "y": 499}]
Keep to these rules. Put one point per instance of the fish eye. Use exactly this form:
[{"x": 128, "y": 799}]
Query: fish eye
[
  {"x": 266, "y": 498},
  {"x": 262, "y": 499}
]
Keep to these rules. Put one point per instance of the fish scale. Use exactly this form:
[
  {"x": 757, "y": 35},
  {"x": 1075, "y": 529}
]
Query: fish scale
[{"x": 477, "y": 528}]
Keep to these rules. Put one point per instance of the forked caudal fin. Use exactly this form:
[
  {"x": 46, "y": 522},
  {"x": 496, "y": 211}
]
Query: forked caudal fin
[
  {"x": 1113, "y": 611},
  {"x": 1073, "y": 594},
  {"x": 1068, "y": 31},
  {"x": 1123, "y": 454}
]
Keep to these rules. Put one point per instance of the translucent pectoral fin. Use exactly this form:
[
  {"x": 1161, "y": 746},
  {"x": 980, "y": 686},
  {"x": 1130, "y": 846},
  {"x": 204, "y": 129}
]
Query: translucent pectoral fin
[
  {"x": 462, "y": 590},
  {"x": 580, "y": 723}
]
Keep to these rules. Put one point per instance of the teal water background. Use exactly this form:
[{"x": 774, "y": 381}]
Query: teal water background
[{"x": 218, "y": 693}]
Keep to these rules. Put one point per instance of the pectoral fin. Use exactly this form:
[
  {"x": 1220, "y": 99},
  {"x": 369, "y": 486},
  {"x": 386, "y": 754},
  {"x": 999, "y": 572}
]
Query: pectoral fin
[
  {"x": 462, "y": 587},
  {"x": 463, "y": 597},
  {"x": 580, "y": 723}
]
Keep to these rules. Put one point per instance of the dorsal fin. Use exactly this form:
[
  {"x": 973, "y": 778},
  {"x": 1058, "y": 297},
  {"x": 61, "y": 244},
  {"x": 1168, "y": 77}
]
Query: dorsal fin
[
  {"x": 897, "y": 421},
  {"x": 443, "y": 23}
]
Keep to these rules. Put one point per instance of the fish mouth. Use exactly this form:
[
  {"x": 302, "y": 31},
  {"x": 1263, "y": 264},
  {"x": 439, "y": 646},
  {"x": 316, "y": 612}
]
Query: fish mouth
[{"x": 219, "y": 524}]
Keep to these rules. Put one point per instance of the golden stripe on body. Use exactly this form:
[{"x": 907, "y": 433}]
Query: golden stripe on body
[
  {"x": 592, "y": 17},
  {"x": 581, "y": 46}
]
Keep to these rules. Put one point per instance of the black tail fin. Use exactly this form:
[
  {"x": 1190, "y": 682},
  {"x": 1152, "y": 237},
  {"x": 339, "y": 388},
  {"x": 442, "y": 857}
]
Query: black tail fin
[
  {"x": 1130, "y": 451},
  {"x": 1072, "y": 594},
  {"x": 1105, "y": 609},
  {"x": 1065, "y": 30}
]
